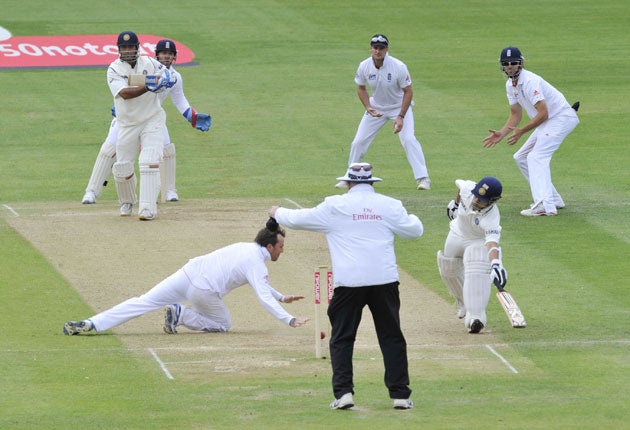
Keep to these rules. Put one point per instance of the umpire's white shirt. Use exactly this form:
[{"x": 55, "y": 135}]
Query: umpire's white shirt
[
  {"x": 470, "y": 224},
  {"x": 235, "y": 265},
  {"x": 139, "y": 109},
  {"x": 530, "y": 89},
  {"x": 360, "y": 226},
  {"x": 387, "y": 83}
]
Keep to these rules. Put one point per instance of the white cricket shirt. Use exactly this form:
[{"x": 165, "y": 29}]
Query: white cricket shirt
[
  {"x": 386, "y": 83},
  {"x": 470, "y": 224},
  {"x": 233, "y": 266},
  {"x": 139, "y": 109},
  {"x": 530, "y": 89},
  {"x": 360, "y": 226}
]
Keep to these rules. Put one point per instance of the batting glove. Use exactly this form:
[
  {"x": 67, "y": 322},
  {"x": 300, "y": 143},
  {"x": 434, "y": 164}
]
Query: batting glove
[
  {"x": 200, "y": 121},
  {"x": 154, "y": 83},
  {"x": 114, "y": 111},
  {"x": 451, "y": 209},
  {"x": 498, "y": 274}
]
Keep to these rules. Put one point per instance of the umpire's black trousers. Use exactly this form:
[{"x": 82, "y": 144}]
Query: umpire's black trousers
[{"x": 344, "y": 312}]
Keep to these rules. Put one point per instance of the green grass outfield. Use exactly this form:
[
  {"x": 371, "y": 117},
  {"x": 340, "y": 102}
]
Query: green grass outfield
[{"x": 277, "y": 77}]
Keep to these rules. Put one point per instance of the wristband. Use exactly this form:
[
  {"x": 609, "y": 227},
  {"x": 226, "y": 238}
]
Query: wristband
[
  {"x": 292, "y": 322},
  {"x": 401, "y": 116}
]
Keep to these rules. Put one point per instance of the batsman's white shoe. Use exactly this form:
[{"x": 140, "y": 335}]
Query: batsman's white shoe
[
  {"x": 344, "y": 402},
  {"x": 475, "y": 327},
  {"x": 171, "y": 196},
  {"x": 70, "y": 328},
  {"x": 424, "y": 183},
  {"x": 342, "y": 185},
  {"x": 171, "y": 318},
  {"x": 461, "y": 310},
  {"x": 146, "y": 215},
  {"x": 125, "y": 209},
  {"x": 403, "y": 404},
  {"x": 537, "y": 210},
  {"x": 89, "y": 198}
]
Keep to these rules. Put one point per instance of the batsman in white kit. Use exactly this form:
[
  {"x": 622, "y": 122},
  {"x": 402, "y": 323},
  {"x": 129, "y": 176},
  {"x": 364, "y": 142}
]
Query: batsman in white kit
[
  {"x": 471, "y": 260},
  {"x": 141, "y": 122},
  {"x": 203, "y": 282},
  {"x": 165, "y": 53}
]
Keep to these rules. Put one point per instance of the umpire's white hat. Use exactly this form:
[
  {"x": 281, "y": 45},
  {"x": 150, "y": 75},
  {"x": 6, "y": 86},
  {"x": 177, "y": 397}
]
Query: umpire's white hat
[{"x": 359, "y": 172}]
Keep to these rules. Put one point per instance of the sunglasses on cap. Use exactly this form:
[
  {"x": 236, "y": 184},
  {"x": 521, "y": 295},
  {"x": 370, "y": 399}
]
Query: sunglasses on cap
[
  {"x": 510, "y": 63},
  {"x": 358, "y": 167},
  {"x": 379, "y": 39}
]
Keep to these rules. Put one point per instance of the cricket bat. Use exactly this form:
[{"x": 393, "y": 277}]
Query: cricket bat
[
  {"x": 136, "y": 80},
  {"x": 511, "y": 309}
]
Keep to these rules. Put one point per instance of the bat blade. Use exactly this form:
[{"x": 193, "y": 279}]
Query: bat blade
[{"x": 511, "y": 309}]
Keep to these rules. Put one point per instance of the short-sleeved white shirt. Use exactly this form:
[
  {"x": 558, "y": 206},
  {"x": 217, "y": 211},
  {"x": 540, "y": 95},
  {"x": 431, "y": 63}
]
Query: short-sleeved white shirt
[
  {"x": 139, "y": 109},
  {"x": 470, "y": 224},
  {"x": 386, "y": 83},
  {"x": 530, "y": 89}
]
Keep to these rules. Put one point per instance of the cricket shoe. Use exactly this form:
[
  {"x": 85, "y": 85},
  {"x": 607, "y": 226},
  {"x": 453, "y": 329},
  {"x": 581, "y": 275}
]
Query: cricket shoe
[
  {"x": 89, "y": 198},
  {"x": 146, "y": 215},
  {"x": 403, "y": 404},
  {"x": 537, "y": 210},
  {"x": 475, "y": 327},
  {"x": 70, "y": 328},
  {"x": 171, "y": 196},
  {"x": 171, "y": 318},
  {"x": 344, "y": 402},
  {"x": 342, "y": 185},
  {"x": 424, "y": 183},
  {"x": 125, "y": 209}
]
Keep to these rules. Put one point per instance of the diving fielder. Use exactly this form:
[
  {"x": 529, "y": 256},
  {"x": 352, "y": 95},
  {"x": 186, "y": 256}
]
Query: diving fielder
[
  {"x": 165, "y": 53},
  {"x": 471, "y": 259}
]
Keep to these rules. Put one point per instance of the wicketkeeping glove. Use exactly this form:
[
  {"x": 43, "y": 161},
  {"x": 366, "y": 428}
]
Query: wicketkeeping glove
[
  {"x": 451, "y": 209},
  {"x": 498, "y": 274},
  {"x": 200, "y": 121}
]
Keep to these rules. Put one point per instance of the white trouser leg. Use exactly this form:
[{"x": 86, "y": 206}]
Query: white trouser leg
[
  {"x": 368, "y": 127},
  {"x": 171, "y": 290},
  {"x": 476, "y": 284},
  {"x": 208, "y": 312},
  {"x": 412, "y": 147}
]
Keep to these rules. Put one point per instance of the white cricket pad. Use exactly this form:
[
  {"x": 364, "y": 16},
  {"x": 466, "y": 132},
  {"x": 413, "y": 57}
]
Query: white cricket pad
[
  {"x": 168, "y": 170},
  {"x": 149, "y": 188},
  {"x": 125, "y": 177},
  {"x": 452, "y": 273},
  {"x": 102, "y": 168},
  {"x": 476, "y": 284}
]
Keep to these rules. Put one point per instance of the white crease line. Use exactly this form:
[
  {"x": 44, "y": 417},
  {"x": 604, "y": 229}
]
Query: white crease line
[
  {"x": 10, "y": 209},
  {"x": 161, "y": 363},
  {"x": 294, "y": 203},
  {"x": 507, "y": 363}
]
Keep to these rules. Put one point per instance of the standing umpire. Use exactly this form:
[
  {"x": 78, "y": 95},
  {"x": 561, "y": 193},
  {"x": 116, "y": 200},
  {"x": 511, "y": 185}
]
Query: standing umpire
[{"x": 360, "y": 227}]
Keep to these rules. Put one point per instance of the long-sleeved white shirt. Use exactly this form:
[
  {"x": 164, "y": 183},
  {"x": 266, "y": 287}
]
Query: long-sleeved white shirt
[
  {"x": 235, "y": 265},
  {"x": 360, "y": 226}
]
